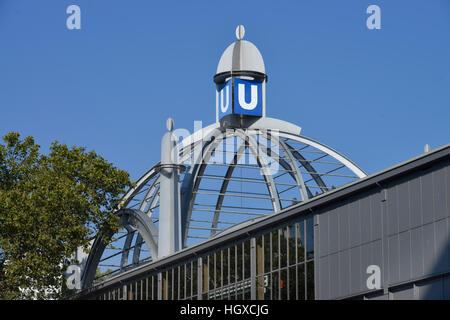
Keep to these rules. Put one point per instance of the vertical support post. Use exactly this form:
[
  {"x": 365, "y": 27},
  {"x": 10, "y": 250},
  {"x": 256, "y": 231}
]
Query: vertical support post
[
  {"x": 205, "y": 274},
  {"x": 384, "y": 243},
  {"x": 169, "y": 237},
  {"x": 316, "y": 231},
  {"x": 253, "y": 268},
  {"x": 199, "y": 278},
  {"x": 264, "y": 98},
  {"x": 159, "y": 286},
  {"x": 217, "y": 105}
]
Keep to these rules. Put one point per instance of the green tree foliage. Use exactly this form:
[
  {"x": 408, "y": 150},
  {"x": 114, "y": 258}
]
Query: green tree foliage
[
  {"x": 49, "y": 206},
  {"x": 100, "y": 276}
]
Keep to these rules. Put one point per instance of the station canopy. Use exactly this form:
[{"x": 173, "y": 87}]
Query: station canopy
[{"x": 233, "y": 172}]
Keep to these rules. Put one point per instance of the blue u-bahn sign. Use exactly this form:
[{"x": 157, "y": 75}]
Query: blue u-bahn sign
[
  {"x": 240, "y": 96},
  {"x": 247, "y": 97},
  {"x": 224, "y": 99}
]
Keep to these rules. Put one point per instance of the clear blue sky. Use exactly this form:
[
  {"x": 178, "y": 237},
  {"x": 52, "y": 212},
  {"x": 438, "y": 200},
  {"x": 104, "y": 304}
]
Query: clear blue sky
[{"x": 378, "y": 96}]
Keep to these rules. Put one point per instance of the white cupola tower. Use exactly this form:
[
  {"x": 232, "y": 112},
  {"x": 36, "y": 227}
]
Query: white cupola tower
[{"x": 240, "y": 82}]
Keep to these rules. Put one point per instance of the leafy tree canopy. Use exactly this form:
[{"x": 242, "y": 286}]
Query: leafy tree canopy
[{"x": 49, "y": 206}]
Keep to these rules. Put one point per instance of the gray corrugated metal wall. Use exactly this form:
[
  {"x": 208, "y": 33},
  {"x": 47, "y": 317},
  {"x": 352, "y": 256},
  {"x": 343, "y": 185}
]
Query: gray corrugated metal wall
[{"x": 403, "y": 227}]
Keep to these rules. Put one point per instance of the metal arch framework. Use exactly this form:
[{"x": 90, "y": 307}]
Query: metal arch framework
[
  {"x": 262, "y": 163},
  {"x": 191, "y": 182},
  {"x": 142, "y": 181},
  {"x": 126, "y": 246},
  {"x": 305, "y": 163},
  {"x": 215, "y": 136},
  {"x": 289, "y": 166},
  {"x": 139, "y": 219},
  {"x": 150, "y": 199},
  {"x": 146, "y": 206},
  {"x": 132, "y": 220},
  {"x": 331, "y": 152},
  {"x": 224, "y": 186},
  {"x": 297, "y": 174}
]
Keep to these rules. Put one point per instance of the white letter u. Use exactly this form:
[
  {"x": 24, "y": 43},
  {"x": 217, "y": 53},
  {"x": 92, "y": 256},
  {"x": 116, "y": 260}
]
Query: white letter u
[
  {"x": 253, "y": 100},
  {"x": 224, "y": 108}
]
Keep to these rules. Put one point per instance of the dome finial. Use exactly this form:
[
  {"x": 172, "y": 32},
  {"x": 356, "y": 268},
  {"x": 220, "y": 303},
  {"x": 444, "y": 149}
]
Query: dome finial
[
  {"x": 240, "y": 31},
  {"x": 169, "y": 124}
]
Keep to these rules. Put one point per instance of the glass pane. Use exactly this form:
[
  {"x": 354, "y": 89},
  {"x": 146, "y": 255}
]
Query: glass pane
[
  {"x": 247, "y": 290},
  {"x": 138, "y": 290},
  {"x": 283, "y": 284},
  {"x": 218, "y": 267},
  {"x": 155, "y": 287},
  {"x": 310, "y": 280},
  {"x": 301, "y": 241},
  {"x": 275, "y": 255},
  {"x": 175, "y": 283},
  {"x": 292, "y": 247},
  {"x": 301, "y": 282},
  {"x": 232, "y": 265},
  {"x": 239, "y": 291},
  {"x": 268, "y": 286},
  {"x": 232, "y": 292},
  {"x": 212, "y": 272},
  {"x": 225, "y": 266},
  {"x": 188, "y": 280},
  {"x": 267, "y": 251},
  {"x": 292, "y": 283},
  {"x": 144, "y": 289},
  {"x": 283, "y": 247},
  {"x": 182, "y": 281},
  {"x": 225, "y": 292},
  {"x": 169, "y": 284},
  {"x": 310, "y": 238},
  {"x": 239, "y": 268},
  {"x": 247, "y": 263},
  {"x": 194, "y": 279},
  {"x": 130, "y": 292},
  {"x": 149, "y": 288},
  {"x": 275, "y": 286}
]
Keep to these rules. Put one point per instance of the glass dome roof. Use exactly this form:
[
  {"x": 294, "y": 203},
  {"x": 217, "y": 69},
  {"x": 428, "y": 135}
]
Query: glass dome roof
[{"x": 231, "y": 176}]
